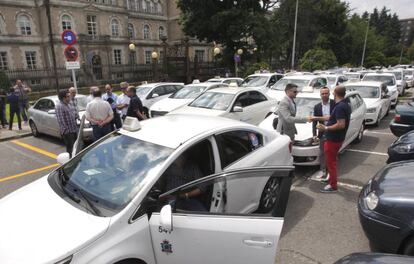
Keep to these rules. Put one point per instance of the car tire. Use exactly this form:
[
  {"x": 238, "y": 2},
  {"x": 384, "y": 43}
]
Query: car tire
[
  {"x": 269, "y": 195},
  {"x": 378, "y": 120},
  {"x": 33, "y": 128},
  {"x": 409, "y": 247},
  {"x": 358, "y": 139}
]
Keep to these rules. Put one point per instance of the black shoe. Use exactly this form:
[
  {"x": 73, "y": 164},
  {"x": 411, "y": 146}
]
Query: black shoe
[{"x": 328, "y": 189}]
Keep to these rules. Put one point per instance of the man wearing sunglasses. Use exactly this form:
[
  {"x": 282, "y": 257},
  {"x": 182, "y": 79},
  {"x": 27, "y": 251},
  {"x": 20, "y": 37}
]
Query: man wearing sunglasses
[{"x": 287, "y": 112}]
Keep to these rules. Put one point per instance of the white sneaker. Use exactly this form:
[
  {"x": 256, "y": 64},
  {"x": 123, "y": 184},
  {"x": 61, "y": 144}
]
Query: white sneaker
[{"x": 328, "y": 189}]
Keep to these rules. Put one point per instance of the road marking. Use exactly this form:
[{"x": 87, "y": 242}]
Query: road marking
[
  {"x": 367, "y": 152},
  {"x": 28, "y": 173},
  {"x": 380, "y": 133},
  {"x": 35, "y": 149}
]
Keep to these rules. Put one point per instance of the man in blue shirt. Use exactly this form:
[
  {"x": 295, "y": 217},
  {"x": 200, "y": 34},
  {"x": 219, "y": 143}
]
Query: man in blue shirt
[
  {"x": 111, "y": 98},
  {"x": 13, "y": 100},
  {"x": 335, "y": 131}
]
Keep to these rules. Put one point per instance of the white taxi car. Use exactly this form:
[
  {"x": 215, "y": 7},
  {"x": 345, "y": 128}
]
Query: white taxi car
[
  {"x": 306, "y": 150},
  {"x": 182, "y": 97},
  {"x": 335, "y": 80},
  {"x": 389, "y": 79},
  {"x": 409, "y": 77},
  {"x": 376, "y": 99},
  {"x": 111, "y": 204},
  {"x": 151, "y": 93},
  {"x": 303, "y": 81},
  {"x": 246, "y": 104},
  {"x": 226, "y": 80},
  {"x": 400, "y": 78},
  {"x": 261, "y": 81}
]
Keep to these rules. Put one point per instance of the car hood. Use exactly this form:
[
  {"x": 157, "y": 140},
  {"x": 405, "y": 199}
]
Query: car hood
[
  {"x": 405, "y": 109},
  {"x": 275, "y": 94},
  {"x": 197, "y": 111},
  {"x": 38, "y": 226},
  {"x": 169, "y": 104},
  {"x": 371, "y": 102}
]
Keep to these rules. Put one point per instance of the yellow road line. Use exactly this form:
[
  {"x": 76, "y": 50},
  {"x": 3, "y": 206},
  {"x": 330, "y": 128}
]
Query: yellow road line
[
  {"x": 28, "y": 172},
  {"x": 35, "y": 149}
]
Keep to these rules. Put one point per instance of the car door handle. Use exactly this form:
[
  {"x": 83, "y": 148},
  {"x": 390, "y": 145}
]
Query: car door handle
[{"x": 256, "y": 243}]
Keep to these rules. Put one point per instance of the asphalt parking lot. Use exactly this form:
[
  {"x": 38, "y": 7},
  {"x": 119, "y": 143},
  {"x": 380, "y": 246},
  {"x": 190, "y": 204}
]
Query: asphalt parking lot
[{"x": 319, "y": 228}]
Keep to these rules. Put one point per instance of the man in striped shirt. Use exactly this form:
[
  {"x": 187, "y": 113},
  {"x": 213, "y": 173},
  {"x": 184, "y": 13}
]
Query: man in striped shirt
[{"x": 66, "y": 117}]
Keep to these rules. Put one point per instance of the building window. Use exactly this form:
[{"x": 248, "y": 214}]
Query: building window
[
  {"x": 3, "y": 61},
  {"x": 159, "y": 8},
  {"x": 144, "y": 5},
  {"x": 115, "y": 27},
  {"x": 113, "y": 2},
  {"x": 148, "y": 57},
  {"x": 24, "y": 25},
  {"x": 161, "y": 32},
  {"x": 200, "y": 55},
  {"x": 31, "y": 59},
  {"x": 66, "y": 22},
  {"x": 131, "y": 33},
  {"x": 146, "y": 32},
  {"x": 152, "y": 8},
  {"x": 92, "y": 25},
  {"x": 117, "y": 56}
]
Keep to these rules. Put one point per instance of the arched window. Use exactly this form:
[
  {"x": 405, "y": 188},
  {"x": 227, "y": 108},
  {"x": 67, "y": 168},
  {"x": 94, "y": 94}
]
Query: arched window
[
  {"x": 130, "y": 28},
  {"x": 115, "y": 27},
  {"x": 161, "y": 32},
  {"x": 146, "y": 32},
  {"x": 66, "y": 22},
  {"x": 144, "y": 5},
  {"x": 24, "y": 25}
]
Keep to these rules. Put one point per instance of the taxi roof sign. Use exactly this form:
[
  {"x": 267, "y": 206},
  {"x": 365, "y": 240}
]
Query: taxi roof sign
[{"x": 131, "y": 124}]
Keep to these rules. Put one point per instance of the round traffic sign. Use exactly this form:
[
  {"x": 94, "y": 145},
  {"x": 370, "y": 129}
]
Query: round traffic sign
[
  {"x": 71, "y": 53},
  {"x": 68, "y": 37}
]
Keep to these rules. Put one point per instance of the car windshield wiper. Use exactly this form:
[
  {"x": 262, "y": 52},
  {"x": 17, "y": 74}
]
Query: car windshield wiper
[{"x": 64, "y": 181}]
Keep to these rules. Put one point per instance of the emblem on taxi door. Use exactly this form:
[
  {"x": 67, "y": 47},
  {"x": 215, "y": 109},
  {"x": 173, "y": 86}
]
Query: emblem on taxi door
[{"x": 166, "y": 247}]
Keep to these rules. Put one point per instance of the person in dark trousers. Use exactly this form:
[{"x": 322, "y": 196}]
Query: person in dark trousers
[
  {"x": 3, "y": 119},
  {"x": 22, "y": 90},
  {"x": 321, "y": 113},
  {"x": 66, "y": 118},
  {"x": 13, "y": 100},
  {"x": 112, "y": 98},
  {"x": 135, "y": 108},
  {"x": 335, "y": 130}
]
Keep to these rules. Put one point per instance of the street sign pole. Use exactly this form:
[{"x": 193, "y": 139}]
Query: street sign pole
[
  {"x": 71, "y": 54},
  {"x": 74, "y": 80}
]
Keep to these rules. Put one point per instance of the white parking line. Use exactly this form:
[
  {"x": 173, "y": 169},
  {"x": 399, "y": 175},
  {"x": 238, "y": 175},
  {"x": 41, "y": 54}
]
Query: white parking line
[
  {"x": 367, "y": 152},
  {"x": 376, "y": 132}
]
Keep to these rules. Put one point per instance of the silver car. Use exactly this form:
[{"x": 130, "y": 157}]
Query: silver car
[{"x": 43, "y": 120}]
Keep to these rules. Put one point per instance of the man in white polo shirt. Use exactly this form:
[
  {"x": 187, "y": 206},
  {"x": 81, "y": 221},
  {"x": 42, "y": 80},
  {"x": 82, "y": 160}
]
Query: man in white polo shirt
[
  {"x": 122, "y": 102},
  {"x": 99, "y": 113}
]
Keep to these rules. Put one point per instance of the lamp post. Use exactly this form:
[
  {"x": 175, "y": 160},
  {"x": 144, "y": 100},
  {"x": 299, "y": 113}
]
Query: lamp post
[
  {"x": 237, "y": 59},
  {"x": 216, "y": 52},
  {"x": 154, "y": 56},
  {"x": 294, "y": 35}
]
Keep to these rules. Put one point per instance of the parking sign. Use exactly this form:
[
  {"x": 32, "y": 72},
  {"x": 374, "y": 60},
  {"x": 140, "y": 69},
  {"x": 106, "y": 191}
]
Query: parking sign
[{"x": 68, "y": 37}]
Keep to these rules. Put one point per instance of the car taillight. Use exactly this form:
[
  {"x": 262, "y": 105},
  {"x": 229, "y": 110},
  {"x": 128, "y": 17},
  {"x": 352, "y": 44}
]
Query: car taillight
[
  {"x": 290, "y": 146},
  {"x": 397, "y": 118}
]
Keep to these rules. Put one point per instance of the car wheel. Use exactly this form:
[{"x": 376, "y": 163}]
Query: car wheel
[
  {"x": 269, "y": 195},
  {"x": 358, "y": 139},
  {"x": 378, "y": 120},
  {"x": 33, "y": 127},
  {"x": 409, "y": 247}
]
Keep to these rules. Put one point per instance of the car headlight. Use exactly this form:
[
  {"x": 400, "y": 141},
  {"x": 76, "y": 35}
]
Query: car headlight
[
  {"x": 371, "y": 200},
  {"x": 371, "y": 110},
  {"x": 65, "y": 260},
  {"x": 404, "y": 148},
  {"x": 306, "y": 143}
]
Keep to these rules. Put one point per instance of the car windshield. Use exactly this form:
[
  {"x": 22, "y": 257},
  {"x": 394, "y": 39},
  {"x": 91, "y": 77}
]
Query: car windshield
[
  {"x": 215, "y": 101},
  {"x": 365, "y": 91},
  {"x": 398, "y": 75},
  {"x": 281, "y": 84},
  {"x": 214, "y": 80},
  {"x": 142, "y": 91},
  {"x": 188, "y": 92},
  {"x": 408, "y": 72},
  {"x": 82, "y": 102},
  {"x": 331, "y": 80},
  {"x": 352, "y": 76},
  {"x": 305, "y": 106},
  {"x": 380, "y": 78},
  {"x": 112, "y": 172},
  {"x": 254, "y": 81}
]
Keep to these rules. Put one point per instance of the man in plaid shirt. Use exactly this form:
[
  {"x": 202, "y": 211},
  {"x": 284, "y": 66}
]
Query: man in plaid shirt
[{"x": 66, "y": 118}]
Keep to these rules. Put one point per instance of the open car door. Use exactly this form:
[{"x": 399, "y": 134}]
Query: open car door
[
  {"x": 224, "y": 235},
  {"x": 79, "y": 143}
]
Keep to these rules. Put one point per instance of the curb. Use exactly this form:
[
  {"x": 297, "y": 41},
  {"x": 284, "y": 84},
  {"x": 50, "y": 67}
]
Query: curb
[{"x": 22, "y": 135}]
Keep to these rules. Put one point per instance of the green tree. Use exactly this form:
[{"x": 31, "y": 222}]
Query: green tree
[
  {"x": 375, "y": 58},
  {"x": 320, "y": 59},
  {"x": 410, "y": 52}
]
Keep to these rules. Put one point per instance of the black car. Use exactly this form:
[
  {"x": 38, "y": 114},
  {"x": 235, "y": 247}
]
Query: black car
[
  {"x": 386, "y": 208},
  {"x": 402, "y": 148},
  {"x": 404, "y": 119},
  {"x": 375, "y": 258}
]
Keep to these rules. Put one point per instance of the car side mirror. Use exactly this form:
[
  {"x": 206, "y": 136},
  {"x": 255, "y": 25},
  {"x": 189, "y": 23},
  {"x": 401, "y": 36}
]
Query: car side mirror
[
  {"x": 237, "y": 109},
  {"x": 62, "y": 158},
  {"x": 155, "y": 95},
  {"x": 166, "y": 218},
  {"x": 51, "y": 112}
]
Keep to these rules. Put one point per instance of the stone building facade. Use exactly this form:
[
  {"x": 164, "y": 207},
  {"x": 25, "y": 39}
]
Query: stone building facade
[{"x": 104, "y": 28}]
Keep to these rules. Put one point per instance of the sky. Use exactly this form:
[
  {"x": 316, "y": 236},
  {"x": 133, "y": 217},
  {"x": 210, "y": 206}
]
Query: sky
[{"x": 403, "y": 8}]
